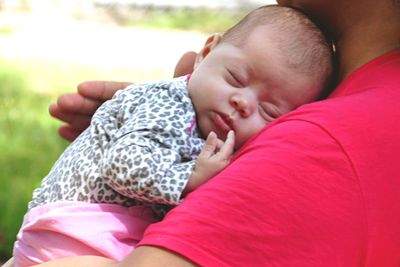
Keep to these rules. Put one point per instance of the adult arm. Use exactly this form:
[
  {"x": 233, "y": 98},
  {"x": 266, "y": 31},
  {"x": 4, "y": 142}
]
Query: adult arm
[
  {"x": 144, "y": 256},
  {"x": 76, "y": 109}
]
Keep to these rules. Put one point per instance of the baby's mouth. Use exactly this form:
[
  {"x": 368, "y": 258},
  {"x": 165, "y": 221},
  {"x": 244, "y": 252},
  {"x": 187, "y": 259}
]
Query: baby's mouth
[{"x": 223, "y": 122}]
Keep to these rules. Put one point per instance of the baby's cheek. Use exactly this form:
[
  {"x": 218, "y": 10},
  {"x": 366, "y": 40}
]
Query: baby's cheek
[
  {"x": 248, "y": 133},
  {"x": 203, "y": 127}
]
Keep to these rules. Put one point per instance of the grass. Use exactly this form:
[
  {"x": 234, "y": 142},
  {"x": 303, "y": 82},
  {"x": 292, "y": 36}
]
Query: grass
[{"x": 28, "y": 146}]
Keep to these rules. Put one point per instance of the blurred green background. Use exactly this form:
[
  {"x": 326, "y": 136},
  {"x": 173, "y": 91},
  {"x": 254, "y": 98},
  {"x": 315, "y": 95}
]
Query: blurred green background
[{"x": 47, "y": 50}]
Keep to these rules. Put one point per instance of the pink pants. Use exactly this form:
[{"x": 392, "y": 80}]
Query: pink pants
[{"x": 65, "y": 229}]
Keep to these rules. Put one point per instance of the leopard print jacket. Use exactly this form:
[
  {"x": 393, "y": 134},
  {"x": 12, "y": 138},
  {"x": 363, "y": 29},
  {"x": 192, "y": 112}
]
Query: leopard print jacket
[{"x": 140, "y": 149}]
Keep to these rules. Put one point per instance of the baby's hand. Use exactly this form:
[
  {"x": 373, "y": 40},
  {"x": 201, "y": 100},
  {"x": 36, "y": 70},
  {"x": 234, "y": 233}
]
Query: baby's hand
[{"x": 213, "y": 158}]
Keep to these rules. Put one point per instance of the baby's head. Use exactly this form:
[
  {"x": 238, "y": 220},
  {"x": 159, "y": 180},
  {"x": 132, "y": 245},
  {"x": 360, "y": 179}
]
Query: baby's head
[{"x": 271, "y": 62}]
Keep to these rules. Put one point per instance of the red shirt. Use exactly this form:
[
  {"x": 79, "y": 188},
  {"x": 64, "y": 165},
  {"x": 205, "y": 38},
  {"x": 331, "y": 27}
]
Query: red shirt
[{"x": 318, "y": 187}]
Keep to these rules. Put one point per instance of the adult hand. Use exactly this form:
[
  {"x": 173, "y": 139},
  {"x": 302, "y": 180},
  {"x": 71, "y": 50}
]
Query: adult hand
[
  {"x": 76, "y": 109},
  {"x": 185, "y": 64}
]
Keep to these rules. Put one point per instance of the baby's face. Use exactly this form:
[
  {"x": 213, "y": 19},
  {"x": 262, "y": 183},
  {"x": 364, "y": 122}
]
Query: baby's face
[{"x": 244, "y": 88}]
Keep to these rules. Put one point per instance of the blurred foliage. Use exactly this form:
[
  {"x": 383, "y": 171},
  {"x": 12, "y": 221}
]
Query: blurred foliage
[
  {"x": 28, "y": 146},
  {"x": 6, "y": 30},
  {"x": 201, "y": 19}
]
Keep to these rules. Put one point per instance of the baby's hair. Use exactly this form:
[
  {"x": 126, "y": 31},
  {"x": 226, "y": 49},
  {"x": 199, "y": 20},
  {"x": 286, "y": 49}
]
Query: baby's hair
[{"x": 304, "y": 46}]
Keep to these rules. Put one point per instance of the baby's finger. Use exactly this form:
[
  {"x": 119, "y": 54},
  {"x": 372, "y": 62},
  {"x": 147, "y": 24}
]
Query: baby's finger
[
  {"x": 227, "y": 148},
  {"x": 220, "y": 143},
  {"x": 210, "y": 146}
]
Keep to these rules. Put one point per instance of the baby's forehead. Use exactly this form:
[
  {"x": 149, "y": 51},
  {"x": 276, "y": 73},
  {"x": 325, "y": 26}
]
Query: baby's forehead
[
  {"x": 241, "y": 35},
  {"x": 272, "y": 34}
]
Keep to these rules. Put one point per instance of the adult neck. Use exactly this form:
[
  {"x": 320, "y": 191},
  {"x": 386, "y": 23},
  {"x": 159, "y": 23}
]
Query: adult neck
[{"x": 370, "y": 32}]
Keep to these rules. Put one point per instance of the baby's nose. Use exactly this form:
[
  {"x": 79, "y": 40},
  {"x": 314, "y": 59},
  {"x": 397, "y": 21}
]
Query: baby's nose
[{"x": 242, "y": 105}]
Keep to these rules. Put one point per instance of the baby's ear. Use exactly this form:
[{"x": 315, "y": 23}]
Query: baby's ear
[{"x": 211, "y": 42}]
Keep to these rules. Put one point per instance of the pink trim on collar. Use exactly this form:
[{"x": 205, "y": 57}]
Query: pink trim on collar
[{"x": 192, "y": 125}]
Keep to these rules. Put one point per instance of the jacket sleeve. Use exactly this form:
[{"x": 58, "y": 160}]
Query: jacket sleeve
[
  {"x": 136, "y": 162},
  {"x": 137, "y": 167}
]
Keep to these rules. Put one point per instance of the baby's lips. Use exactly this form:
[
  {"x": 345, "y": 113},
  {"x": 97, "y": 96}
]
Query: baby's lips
[{"x": 223, "y": 122}]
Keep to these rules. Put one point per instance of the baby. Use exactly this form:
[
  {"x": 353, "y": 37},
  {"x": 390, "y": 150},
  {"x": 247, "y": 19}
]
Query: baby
[{"x": 145, "y": 148}]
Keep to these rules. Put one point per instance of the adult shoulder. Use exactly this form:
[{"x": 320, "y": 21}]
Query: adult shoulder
[{"x": 290, "y": 197}]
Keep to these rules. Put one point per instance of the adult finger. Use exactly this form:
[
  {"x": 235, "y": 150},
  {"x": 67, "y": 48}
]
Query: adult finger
[
  {"x": 68, "y": 133},
  {"x": 185, "y": 64},
  {"x": 75, "y": 120},
  {"x": 100, "y": 90},
  {"x": 76, "y": 103}
]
